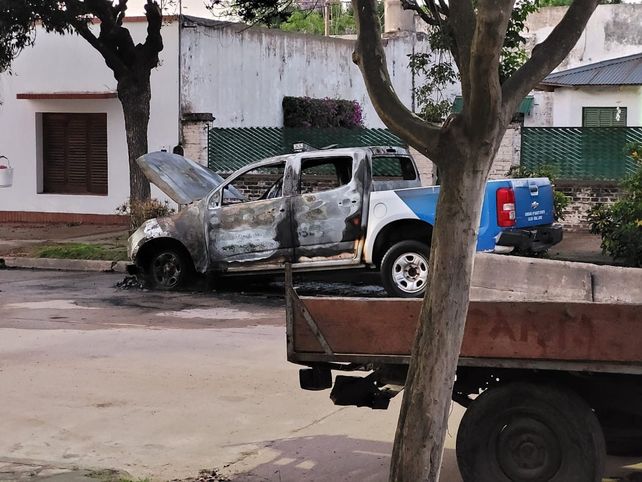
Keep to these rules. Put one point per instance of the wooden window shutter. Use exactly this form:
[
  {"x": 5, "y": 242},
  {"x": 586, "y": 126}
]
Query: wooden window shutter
[
  {"x": 603, "y": 117},
  {"x": 75, "y": 153}
]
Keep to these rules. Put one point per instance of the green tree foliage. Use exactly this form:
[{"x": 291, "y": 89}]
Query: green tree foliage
[
  {"x": 17, "y": 24},
  {"x": 296, "y": 19},
  {"x": 437, "y": 66},
  {"x": 310, "y": 22},
  {"x": 620, "y": 224}
]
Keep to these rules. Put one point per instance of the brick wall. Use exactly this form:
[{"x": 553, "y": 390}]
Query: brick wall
[
  {"x": 253, "y": 187},
  {"x": 508, "y": 153},
  {"x": 426, "y": 168},
  {"x": 584, "y": 195},
  {"x": 195, "y": 129},
  {"x": 70, "y": 218}
]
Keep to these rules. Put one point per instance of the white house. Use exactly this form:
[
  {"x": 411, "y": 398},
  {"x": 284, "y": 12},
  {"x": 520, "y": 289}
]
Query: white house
[
  {"x": 612, "y": 33},
  {"x": 600, "y": 94},
  {"x": 60, "y": 103},
  {"x": 61, "y": 95}
]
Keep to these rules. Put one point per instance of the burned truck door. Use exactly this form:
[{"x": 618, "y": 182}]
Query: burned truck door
[
  {"x": 327, "y": 218},
  {"x": 249, "y": 219}
]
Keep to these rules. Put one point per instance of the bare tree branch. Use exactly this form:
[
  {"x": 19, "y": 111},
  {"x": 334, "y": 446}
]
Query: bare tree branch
[
  {"x": 154, "y": 41},
  {"x": 371, "y": 59},
  {"x": 461, "y": 21},
  {"x": 111, "y": 59},
  {"x": 121, "y": 12},
  {"x": 425, "y": 16},
  {"x": 548, "y": 54},
  {"x": 102, "y": 10}
]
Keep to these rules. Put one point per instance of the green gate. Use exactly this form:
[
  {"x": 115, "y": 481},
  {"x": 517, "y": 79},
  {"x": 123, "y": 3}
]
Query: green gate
[
  {"x": 580, "y": 153},
  {"x": 232, "y": 148}
]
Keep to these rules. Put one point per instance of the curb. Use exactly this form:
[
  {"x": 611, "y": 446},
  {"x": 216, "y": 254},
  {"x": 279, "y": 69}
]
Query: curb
[{"x": 64, "y": 264}]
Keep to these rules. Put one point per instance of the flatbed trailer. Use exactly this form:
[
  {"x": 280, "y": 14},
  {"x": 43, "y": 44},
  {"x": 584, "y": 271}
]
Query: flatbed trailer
[{"x": 549, "y": 387}]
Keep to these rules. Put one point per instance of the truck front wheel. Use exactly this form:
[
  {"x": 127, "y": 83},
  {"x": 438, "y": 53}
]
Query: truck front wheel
[
  {"x": 168, "y": 269},
  {"x": 530, "y": 433},
  {"x": 404, "y": 269}
]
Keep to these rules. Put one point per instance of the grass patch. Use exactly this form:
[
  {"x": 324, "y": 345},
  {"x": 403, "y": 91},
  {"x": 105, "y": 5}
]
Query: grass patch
[
  {"x": 82, "y": 251},
  {"x": 110, "y": 475}
]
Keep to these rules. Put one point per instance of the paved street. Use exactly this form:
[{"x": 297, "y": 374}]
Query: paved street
[
  {"x": 163, "y": 385},
  {"x": 166, "y": 384}
]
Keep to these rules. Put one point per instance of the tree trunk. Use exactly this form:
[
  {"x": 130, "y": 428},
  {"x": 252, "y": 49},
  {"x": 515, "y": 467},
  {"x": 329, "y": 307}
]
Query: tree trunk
[
  {"x": 135, "y": 96},
  {"x": 421, "y": 430}
]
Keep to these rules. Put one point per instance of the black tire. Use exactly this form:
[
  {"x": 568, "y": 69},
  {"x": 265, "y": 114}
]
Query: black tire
[
  {"x": 168, "y": 269},
  {"x": 404, "y": 269},
  {"x": 525, "y": 432}
]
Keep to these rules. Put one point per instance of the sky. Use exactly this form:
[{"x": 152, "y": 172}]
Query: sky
[{"x": 189, "y": 7}]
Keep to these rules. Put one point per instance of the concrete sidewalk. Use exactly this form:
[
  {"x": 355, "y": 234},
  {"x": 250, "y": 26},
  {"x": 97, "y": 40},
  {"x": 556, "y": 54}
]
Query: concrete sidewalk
[{"x": 17, "y": 238}]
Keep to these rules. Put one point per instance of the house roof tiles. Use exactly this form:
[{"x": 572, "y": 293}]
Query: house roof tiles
[{"x": 620, "y": 71}]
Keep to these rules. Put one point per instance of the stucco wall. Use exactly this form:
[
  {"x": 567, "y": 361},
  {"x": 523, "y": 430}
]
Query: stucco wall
[
  {"x": 567, "y": 107},
  {"x": 541, "y": 114},
  {"x": 613, "y": 31},
  {"x": 241, "y": 75},
  {"x": 69, "y": 64}
]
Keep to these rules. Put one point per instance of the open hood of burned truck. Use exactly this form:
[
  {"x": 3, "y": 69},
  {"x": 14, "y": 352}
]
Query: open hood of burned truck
[{"x": 182, "y": 179}]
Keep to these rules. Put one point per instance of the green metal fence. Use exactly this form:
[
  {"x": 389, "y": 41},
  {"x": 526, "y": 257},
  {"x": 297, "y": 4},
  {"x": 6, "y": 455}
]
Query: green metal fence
[
  {"x": 580, "y": 153},
  {"x": 232, "y": 148}
]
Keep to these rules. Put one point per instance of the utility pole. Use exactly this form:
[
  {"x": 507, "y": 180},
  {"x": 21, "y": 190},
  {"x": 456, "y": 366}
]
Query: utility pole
[{"x": 326, "y": 17}]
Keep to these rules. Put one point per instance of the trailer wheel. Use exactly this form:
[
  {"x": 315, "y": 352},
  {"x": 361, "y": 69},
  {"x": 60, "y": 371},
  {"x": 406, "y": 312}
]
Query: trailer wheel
[
  {"x": 404, "y": 269},
  {"x": 527, "y": 432}
]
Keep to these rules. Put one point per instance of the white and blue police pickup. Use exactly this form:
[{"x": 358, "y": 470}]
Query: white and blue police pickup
[{"x": 320, "y": 210}]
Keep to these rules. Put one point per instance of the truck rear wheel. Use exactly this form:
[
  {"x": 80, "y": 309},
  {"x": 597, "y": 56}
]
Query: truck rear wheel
[
  {"x": 530, "y": 433},
  {"x": 404, "y": 269}
]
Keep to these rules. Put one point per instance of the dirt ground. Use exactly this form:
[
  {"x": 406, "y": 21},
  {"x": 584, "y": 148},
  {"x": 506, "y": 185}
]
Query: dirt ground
[{"x": 19, "y": 239}]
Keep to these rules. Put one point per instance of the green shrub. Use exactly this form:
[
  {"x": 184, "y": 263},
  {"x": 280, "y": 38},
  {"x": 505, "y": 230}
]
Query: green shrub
[
  {"x": 560, "y": 200},
  {"x": 620, "y": 224},
  {"x": 141, "y": 211},
  {"x": 321, "y": 113}
]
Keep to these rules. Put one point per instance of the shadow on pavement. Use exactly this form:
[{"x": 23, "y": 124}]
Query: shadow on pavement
[{"x": 325, "y": 457}]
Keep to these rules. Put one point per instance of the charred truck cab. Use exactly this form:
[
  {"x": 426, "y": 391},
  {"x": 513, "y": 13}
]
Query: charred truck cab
[{"x": 319, "y": 210}]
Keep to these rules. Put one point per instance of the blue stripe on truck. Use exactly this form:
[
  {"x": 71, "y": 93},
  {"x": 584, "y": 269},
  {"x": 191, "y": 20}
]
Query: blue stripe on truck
[{"x": 424, "y": 205}]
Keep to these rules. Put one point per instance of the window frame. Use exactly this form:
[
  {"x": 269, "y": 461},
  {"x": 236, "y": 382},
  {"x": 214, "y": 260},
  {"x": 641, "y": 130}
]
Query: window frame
[
  {"x": 335, "y": 161},
  {"x": 230, "y": 182},
  {"x": 597, "y": 110}
]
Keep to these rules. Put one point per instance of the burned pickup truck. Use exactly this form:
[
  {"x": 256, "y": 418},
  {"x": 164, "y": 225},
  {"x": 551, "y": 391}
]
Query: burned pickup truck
[{"x": 320, "y": 210}]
